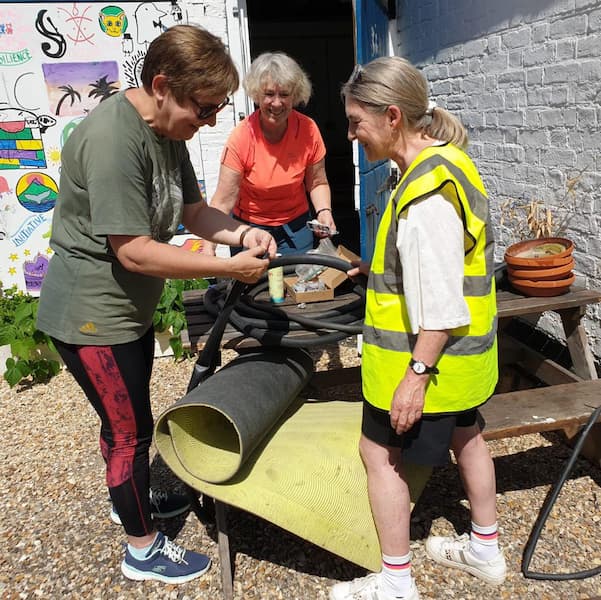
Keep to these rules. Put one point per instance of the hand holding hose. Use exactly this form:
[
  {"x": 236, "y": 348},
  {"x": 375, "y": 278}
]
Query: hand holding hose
[
  {"x": 359, "y": 272},
  {"x": 250, "y": 265},
  {"x": 254, "y": 237}
]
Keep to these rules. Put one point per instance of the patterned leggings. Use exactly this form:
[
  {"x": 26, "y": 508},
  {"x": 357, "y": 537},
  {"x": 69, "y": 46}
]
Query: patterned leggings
[{"x": 116, "y": 380}]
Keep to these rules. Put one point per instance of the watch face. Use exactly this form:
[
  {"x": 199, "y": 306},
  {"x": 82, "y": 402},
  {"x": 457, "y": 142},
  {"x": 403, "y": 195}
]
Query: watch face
[{"x": 419, "y": 367}]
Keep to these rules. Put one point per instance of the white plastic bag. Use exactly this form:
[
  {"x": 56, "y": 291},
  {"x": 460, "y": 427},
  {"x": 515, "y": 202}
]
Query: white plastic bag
[{"x": 308, "y": 272}]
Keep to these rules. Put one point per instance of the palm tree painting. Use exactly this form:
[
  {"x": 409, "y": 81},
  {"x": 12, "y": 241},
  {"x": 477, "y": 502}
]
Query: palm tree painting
[
  {"x": 74, "y": 89},
  {"x": 70, "y": 93},
  {"x": 102, "y": 88}
]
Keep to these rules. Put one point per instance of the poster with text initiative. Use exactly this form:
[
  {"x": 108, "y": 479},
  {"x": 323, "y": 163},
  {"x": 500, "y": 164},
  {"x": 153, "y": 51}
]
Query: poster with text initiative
[{"x": 57, "y": 62}]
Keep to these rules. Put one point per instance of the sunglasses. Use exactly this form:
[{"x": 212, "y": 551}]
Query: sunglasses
[{"x": 204, "y": 112}]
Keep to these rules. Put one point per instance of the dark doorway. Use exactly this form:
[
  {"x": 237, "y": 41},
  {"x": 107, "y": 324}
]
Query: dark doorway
[{"x": 318, "y": 34}]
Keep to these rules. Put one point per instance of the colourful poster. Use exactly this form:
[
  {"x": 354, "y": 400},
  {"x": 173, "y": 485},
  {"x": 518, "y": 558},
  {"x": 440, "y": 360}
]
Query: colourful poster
[{"x": 58, "y": 61}]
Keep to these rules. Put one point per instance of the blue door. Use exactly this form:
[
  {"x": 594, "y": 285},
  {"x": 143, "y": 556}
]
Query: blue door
[{"x": 371, "y": 41}]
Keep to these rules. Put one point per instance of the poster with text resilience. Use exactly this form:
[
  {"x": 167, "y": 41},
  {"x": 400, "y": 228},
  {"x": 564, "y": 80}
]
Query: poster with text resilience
[{"x": 57, "y": 62}]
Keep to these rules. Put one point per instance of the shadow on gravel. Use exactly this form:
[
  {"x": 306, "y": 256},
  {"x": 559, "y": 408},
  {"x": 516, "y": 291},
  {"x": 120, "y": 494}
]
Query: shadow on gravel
[
  {"x": 162, "y": 478},
  {"x": 532, "y": 468}
]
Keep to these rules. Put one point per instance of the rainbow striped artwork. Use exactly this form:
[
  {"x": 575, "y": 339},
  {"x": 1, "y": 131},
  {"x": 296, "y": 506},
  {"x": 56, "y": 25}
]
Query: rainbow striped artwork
[{"x": 21, "y": 145}]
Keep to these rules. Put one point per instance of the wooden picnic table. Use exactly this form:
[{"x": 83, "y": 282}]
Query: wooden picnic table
[
  {"x": 569, "y": 395},
  {"x": 509, "y": 412}
]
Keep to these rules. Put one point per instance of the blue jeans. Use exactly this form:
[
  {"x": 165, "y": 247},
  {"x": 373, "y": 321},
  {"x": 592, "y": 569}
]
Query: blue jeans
[{"x": 292, "y": 238}]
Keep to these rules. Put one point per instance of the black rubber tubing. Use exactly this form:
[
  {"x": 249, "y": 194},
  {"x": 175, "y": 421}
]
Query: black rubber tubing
[
  {"x": 272, "y": 325},
  {"x": 224, "y": 303},
  {"x": 546, "y": 510}
]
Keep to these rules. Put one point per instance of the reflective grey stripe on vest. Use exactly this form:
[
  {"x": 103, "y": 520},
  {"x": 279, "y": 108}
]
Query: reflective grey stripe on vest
[
  {"x": 381, "y": 283},
  {"x": 405, "y": 342},
  {"x": 477, "y": 200},
  {"x": 391, "y": 280}
]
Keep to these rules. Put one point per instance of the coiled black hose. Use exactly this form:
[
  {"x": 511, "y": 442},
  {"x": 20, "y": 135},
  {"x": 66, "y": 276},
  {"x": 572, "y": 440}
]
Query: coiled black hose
[
  {"x": 275, "y": 326},
  {"x": 235, "y": 303}
]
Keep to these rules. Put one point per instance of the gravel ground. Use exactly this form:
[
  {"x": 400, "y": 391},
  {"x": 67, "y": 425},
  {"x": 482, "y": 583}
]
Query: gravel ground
[{"x": 57, "y": 540}]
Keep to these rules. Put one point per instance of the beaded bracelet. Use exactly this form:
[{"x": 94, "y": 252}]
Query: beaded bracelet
[{"x": 243, "y": 235}]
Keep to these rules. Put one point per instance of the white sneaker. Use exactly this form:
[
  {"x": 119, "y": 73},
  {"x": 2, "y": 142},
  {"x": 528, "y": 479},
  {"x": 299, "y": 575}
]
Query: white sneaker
[
  {"x": 368, "y": 588},
  {"x": 455, "y": 552}
]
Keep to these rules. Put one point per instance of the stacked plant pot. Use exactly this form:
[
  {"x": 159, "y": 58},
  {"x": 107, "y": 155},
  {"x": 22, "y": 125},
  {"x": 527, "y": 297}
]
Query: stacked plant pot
[{"x": 541, "y": 267}]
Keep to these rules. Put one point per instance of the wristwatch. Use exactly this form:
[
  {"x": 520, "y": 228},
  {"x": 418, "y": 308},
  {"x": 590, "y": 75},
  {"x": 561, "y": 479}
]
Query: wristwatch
[{"x": 421, "y": 368}]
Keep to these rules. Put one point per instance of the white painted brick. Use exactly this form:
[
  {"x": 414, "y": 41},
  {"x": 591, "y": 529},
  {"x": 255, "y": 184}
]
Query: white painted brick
[
  {"x": 566, "y": 49},
  {"x": 570, "y": 26},
  {"x": 559, "y": 95},
  {"x": 515, "y": 59},
  {"x": 559, "y": 138},
  {"x": 552, "y": 117},
  {"x": 492, "y": 101},
  {"x": 560, "y": 73},
  {"x": 511, "y": 118},
  {"x": 539, "y": 32},
  {"x": 533, "y": 138},
  {"x": 534, "y": 76},
  {"x": 474, "y": 48},
  {"x": 589, "y": 70},
  {"x": 516, "y": 39},
  {"x": 558, "y": 157},
  {"x": 515, "y": 98},
  {"x": 594, "y": 20},
  {"x": 539, "y": 55},
  {"x": 511, "y": 78},
  {"x": 588, "y": 47}
]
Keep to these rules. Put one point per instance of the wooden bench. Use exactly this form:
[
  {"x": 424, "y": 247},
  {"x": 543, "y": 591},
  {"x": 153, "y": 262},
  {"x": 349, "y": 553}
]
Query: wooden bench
[
  {"x": 534, "y": 410},
  {"x": 198, "y": 319}
]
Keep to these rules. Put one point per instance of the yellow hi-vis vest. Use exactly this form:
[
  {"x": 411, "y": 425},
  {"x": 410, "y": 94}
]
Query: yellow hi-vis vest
[{"x": 468, "y": 363}]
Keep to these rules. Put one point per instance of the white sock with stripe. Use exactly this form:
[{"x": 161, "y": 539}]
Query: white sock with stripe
[
  {"x": 484, "y": 541},
  {"x": 395, "y": 576}
]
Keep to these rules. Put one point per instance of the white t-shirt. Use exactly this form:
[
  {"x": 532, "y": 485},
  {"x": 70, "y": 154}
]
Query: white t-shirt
[{"x": 431, "y": 249}]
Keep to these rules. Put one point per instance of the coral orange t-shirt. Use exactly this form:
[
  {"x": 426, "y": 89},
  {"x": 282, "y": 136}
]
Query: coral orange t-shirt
[{"x": 272, "y": 190}]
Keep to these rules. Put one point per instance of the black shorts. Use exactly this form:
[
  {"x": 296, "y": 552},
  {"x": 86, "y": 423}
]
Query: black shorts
[{"x": 426, "y": 443}]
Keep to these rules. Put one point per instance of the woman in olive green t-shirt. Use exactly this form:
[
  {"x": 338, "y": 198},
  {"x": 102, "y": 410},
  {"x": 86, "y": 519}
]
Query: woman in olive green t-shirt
[{"x": 126, "y": 185}]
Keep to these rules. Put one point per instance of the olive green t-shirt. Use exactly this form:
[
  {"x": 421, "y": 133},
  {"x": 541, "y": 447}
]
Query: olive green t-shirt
[{"x": 118, "y": 177}]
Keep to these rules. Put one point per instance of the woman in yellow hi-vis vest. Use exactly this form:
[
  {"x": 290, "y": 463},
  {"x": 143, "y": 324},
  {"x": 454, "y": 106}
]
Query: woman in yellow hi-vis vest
[{"x": 429, "y": 348}]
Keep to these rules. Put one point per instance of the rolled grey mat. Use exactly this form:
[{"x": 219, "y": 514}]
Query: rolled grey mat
[{"x": 215, "y": 427}]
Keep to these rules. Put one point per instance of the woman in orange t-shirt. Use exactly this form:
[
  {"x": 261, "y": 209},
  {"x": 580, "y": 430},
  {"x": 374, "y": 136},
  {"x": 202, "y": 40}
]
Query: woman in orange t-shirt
[{"x": 274, "y": 158}]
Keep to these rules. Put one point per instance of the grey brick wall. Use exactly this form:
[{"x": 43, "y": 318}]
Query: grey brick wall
[{"x": 524, "y": 76}]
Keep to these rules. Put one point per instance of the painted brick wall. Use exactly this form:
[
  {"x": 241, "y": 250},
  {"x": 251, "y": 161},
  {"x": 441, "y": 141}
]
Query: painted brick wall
[
  {"x": 524, "y": 76},
  {"x": 205, "y": 149}
]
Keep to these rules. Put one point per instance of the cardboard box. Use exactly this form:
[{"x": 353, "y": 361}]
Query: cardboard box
[{"x": 331, "y": 277}]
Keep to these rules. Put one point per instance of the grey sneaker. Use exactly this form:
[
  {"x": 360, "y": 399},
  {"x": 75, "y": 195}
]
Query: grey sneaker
[
  {"x": 455, "y": 552},
  {"x": 368, "y": 588},
  {"x": 163, "y": 505},
  {"x": 166, "y": 562}
]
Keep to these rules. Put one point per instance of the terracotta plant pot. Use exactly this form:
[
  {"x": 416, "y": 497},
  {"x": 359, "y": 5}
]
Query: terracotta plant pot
[
  {"x": 537, "y": 273},
  {"x": 542, "y": 252},
  {"x": 543, "y": 287}
]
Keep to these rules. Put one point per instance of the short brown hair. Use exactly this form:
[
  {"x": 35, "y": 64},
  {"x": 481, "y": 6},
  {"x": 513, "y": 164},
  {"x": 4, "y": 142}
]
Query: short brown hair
[{"x": 193, "y": 60}]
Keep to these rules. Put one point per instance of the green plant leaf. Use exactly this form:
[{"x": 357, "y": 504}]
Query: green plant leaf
[
  {"x": 16, "y": 371},
  {"x": 23, "y": 348},
  {"x": 24, "y": 313}
]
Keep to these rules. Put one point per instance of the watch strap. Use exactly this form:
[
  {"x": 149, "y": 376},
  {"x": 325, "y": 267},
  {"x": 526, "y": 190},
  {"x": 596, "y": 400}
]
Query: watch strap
[{"x": 428, "y": 370}]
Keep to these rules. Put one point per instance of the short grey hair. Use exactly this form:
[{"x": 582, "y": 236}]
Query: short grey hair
[{"x": 282, "y": 70}]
